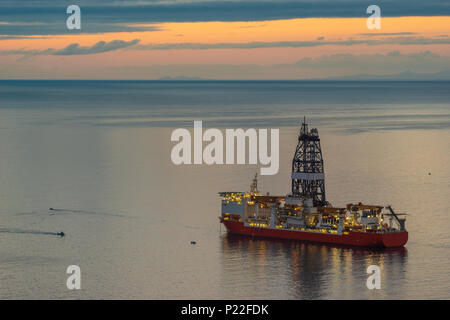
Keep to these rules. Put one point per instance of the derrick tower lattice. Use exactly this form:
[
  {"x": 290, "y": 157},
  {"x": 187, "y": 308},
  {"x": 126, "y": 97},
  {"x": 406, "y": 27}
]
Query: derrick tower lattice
[{"x": 308, "y": 177}]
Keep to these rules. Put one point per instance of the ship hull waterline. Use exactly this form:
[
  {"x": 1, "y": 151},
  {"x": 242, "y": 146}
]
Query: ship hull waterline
[{"x": 360, "y": 239}]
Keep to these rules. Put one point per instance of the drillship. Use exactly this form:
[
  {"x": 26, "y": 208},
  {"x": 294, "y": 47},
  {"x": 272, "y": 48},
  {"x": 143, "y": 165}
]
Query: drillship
[{"x": 305, "y": 214}]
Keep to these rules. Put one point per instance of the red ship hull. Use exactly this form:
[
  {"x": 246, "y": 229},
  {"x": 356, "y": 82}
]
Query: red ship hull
[{"x": 363, "y": 239}]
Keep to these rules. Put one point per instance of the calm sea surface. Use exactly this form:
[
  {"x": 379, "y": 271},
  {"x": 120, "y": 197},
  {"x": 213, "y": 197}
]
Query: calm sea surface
[{"x": 99, "y": 152}]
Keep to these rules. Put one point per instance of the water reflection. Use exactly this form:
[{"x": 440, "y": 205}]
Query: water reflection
[{"x": 301, "y": 270}]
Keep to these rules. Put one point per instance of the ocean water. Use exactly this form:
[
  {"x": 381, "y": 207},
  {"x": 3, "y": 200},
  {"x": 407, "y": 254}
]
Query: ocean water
[{"x": 98, "y": 152}]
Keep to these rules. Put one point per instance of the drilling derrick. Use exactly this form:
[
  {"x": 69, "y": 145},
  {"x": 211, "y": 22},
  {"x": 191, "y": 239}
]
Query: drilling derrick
[{"x": 308, "y": 178}]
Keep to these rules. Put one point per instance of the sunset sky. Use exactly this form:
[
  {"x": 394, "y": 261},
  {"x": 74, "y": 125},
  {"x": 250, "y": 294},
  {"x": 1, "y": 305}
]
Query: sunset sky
[{"x": 250, "y": 39}]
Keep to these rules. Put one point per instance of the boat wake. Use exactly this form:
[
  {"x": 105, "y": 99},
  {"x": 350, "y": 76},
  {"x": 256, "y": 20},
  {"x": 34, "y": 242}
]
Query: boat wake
[
  {"x": 55, "y": 211},
  {"x": 14, "y": 230}
]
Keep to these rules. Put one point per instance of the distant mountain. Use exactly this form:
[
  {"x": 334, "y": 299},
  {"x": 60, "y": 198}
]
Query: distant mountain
[
  {"x": 404, "y": 76},
  {"x": 408, "y": 75},
  {"x": 178, "y": 78}
]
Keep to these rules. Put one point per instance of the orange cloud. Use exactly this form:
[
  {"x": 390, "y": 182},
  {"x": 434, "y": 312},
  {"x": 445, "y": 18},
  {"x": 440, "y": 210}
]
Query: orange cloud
[{"x": 242, "y": 32}]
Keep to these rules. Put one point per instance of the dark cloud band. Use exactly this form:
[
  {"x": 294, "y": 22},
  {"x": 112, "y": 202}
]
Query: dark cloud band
[
  {"x": 295, "y": 44},
  {"x": 76, "y": 49},
  {"x": 102, "y": 46},
  {"x": 104, "y": 16}
]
